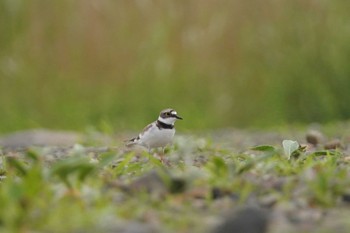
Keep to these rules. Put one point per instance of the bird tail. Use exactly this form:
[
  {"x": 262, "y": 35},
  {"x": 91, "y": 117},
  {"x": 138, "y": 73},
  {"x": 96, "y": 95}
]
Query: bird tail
[{"x": 131, "y": 142}]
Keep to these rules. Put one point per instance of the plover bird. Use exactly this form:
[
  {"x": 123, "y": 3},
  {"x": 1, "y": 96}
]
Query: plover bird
[{"x": 159, "y": 133}]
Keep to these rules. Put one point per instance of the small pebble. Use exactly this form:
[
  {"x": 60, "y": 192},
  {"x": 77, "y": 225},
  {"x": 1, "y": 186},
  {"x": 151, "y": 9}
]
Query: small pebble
[
  {"x": 247, "y": 220},
  {"x": 334, "y": 144},
  {"x": 346, "y": 198},
  {"x": 314, "y": 137}
]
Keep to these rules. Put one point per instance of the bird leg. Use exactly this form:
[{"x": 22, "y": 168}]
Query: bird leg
[
  {"x": 161, "y": 155},
  {"x": 162, "y": 159}
]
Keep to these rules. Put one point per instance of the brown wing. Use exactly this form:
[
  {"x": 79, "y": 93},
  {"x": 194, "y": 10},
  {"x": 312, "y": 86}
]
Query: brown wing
[{"x": 134, "y": 140}]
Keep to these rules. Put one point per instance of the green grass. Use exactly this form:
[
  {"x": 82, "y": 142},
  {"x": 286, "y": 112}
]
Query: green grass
[
  {"x": 72, "y": 64},
  {"x": 99, "y": 192}
]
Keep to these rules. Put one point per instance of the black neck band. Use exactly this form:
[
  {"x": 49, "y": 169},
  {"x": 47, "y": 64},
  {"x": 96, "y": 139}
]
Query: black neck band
[{"x": 162, "y": 125}]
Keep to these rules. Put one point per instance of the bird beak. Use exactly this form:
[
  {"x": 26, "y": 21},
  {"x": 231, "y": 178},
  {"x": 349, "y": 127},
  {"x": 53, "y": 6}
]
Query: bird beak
[{"x": 178, "y": 117}]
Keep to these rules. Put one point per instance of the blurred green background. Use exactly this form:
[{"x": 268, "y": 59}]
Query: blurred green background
[{"x": 68, "y": 64}]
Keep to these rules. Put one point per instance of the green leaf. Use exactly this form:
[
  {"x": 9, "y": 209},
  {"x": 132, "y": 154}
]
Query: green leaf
[
  {"x": 120, "y": 167},
  {"x": 85, "y": 170},
  {"x": 289, "y": 147},
  {"x": 327, "y": 152},
  {"x": 218, "y": 167},
  {"x": 17, "y": 165},
  {"x": 106, "y": 158},
  {"x": 32, "y": 155},
  {"x": 153, "y": 160},
  {"x": 263, "y": 148},
  {"x": 76, "y": 165},
  {"x": 252, "y": 162}
]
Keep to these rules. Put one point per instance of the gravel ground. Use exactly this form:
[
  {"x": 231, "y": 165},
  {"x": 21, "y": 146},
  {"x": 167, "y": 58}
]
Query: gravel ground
[{"x": 268, "y": 207}]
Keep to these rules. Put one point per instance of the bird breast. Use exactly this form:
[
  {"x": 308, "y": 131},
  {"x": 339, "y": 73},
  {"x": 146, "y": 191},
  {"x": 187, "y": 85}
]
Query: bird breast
[{"x": 158, "y": 137}]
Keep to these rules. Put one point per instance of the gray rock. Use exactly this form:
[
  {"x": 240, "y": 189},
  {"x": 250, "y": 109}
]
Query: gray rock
[
  {"x": 333, "y": 144},
  {"x": 247, "y": 220},
  {"x": 314, "y": 137},
  {"x": 152, "y": 183}
]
